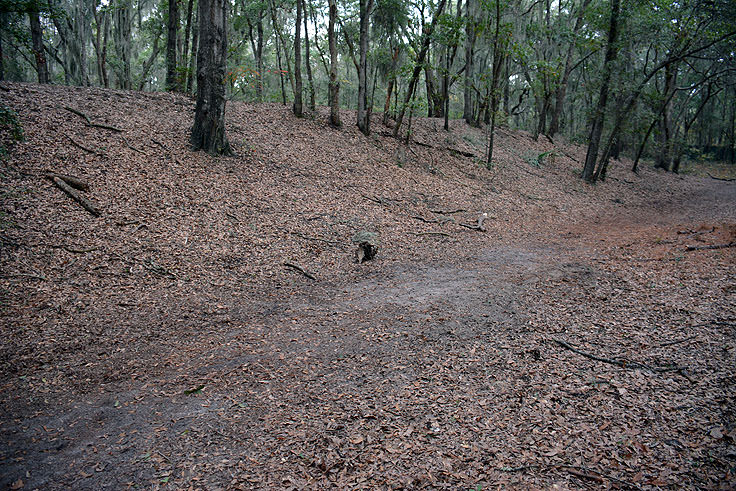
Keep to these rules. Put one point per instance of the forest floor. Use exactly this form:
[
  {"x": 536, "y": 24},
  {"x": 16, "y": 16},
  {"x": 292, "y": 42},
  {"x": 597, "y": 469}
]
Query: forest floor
[{"x": 585, "y": 339}]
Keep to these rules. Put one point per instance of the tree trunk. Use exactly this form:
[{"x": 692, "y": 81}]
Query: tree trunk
[
  {"x": 122, "y": 31},
  {"x": 149, "y": 62},
  {"x": 363, "y": 117},
  {"x": 664, "y": 152},
  {"x": 193, "y": 57},
  {"x": 390, "y": 88},
  {"x": 418, "y": 65},
  {"x": 561, "y": 92},
  {"x": 499, "y": 55},
  {"x": 596, "y": 130},
  {"x": 334, "y": 88},
  {"x": 298, "y": 109},
  {"x": 182, "y": 79},
  {"x": 42, "y": 69},
  {"x": 470, "y": 35},
  {"x": 308, "y": 62},
  {"x": 208, "y": 132},
  {"x": 173, "y": 25}
]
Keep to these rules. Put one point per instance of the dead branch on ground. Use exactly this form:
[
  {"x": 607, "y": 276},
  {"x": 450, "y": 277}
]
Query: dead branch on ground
[
  {"x": 125, "y": 140},
  {"x": 623, "y": 363},
  {"x": 300, "y": 269},
  {"x": 479, "y": 226},
  {"x": 672, "y": 343},
  {"x": 86, "y": 204},
  {"x": 448, "y": 212},
  {"x": 444, "y": 234},
  {"x": 720, "y": 178},
  {"x": 89, "y": 121},
  {"x": 73, "y": 181},
  {"x": 82, "y": 147},
  {"x": 710, "y": 247}
]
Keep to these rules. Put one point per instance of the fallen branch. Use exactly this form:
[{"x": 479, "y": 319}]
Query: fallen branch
[
  {"x": 79, "y": 199},
  {"x": 479, "y": 226},
  {"x": 448, "y": 212},
  {"x": 90, "y": 123},
  {"x": 434, "y": 220},
  {"x": 82, "y": 147},
  {"x": 672, "y": 343},
  {"x": 125, "y": 140},
  {"x": 444, "y": 234},
  {"x": 74, "y": 182},
  {"x": 710, "y": 247},
  {"x": 720, "y": 178},
  {"x": 79, "y": 113},
  {"x": 105, "y": 127},
  {"x": 301, "y": 270},
  {"x": 619, "y": 363}
]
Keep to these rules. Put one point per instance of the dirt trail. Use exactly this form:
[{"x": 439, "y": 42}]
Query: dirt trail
[{"x": 438, "y": 374}]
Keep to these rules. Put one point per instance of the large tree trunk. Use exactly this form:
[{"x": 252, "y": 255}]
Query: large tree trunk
[
  {"x": 334, "y": 88},
  {"x": 208, "y": 132},
  {"x": 298, "y": 109},
  {"x": 363, "y": 116},
  {"x": 173, "y": 30},
  {"x": 596, "y": 127},
  {"x": 42, "y": 69}
]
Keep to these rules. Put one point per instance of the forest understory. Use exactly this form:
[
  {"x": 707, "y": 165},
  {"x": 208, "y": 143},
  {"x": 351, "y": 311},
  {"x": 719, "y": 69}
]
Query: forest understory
[{"x": 211, "y": 329}]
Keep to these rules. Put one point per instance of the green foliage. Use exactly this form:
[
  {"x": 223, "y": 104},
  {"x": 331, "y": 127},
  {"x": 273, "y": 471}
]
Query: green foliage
[
  {"x": 540, "y": 159},
  {"x": 11, "y": 130}
]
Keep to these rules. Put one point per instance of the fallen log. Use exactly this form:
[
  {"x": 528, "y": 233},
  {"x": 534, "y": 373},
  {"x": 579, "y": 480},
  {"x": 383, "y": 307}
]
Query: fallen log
[
  {"x": 74, "y": 182},
  {"x": 86, "y": 204}
]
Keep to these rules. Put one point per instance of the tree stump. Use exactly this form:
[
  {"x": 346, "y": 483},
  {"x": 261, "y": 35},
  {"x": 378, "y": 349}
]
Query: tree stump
[{"x": 367, "y": 243}]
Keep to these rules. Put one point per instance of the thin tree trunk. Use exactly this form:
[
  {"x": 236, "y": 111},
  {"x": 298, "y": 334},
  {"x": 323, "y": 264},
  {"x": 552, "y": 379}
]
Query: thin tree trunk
[
  {"x": 390, "y": 88},
  {"x": 182, "y": 79},
  {"x": 418, "y": 65},
  {"x": 308, "y": 61},
  {"x": 298, "y": 109},
  {"x": 173, "y": 29},
  {"x": 363, "y": 119},
  {"x": 597, "y": 124},
  {"x": 149, "y": 62},
  {"x": 561, "y": 92},
  {"x": 193, "y": 57},
  {"x": 499, "y": 53},
  {"x": 334, "y": 87},
  {"x": 469, "y": 48}
]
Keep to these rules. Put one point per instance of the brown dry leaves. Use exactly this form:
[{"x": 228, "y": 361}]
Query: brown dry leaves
[{"x": 431, "y": 366}]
